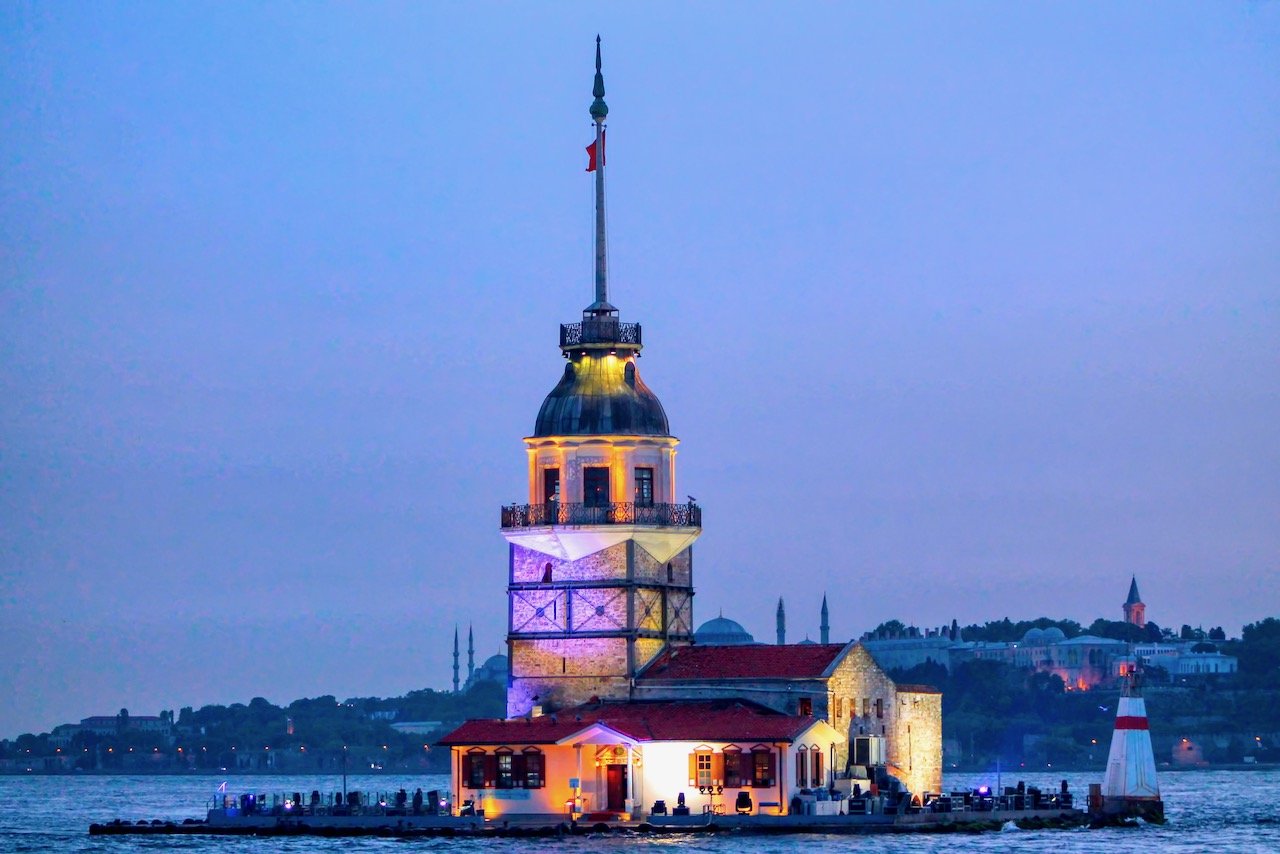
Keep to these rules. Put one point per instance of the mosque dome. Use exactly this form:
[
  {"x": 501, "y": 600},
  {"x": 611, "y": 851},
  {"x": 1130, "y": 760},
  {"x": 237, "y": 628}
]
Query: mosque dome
[
  {"x": 494, "y": 669},
  {"x": 722, "y": 631},
  {"x": 1053, "y": 634},
  {"x": 601, "y": 395},
  {"x": 1034, "y": 636}
]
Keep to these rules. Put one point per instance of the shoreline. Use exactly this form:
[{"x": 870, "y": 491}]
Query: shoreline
[{"x": 195, "y": 772}]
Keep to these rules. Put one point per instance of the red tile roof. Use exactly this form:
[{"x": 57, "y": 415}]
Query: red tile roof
[
  {"x": 693, "y": 720},
  {"x": 753, "y": 661},
  {"x": 918, "y": 689}
]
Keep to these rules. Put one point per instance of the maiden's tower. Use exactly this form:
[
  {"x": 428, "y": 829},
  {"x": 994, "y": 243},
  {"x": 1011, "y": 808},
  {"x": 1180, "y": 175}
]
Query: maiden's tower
[{"x": 601, "y": 557}]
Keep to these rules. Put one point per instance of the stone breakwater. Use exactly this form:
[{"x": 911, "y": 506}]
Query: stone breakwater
[{"x": 448, "y": 826}]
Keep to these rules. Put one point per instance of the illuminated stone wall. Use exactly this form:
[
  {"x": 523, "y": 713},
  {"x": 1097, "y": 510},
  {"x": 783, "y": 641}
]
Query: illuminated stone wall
[
  {"x": 859, "y": 700},
  {"x": 916, "y": 745},
  {"x": 603, "y": 595},
  {"x": 529, "y": 566}
]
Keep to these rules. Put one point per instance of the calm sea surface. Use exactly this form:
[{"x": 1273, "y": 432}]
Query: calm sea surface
[{"x": 1207, "y": 810}]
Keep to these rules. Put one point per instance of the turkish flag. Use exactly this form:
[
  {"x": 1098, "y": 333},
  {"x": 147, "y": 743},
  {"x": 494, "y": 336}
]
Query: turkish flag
[{"x": 591, "y": 153}]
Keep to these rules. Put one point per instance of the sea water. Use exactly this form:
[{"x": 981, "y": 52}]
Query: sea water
[{"x": 1207, "y": 811}]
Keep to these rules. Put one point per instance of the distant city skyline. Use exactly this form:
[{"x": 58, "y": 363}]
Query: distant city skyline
[{"x": 958, "y": 312}]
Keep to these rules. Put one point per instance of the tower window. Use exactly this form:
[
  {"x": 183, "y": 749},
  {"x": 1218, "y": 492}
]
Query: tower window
[
  {"x": 550, "y": 485},
  {"x": 644, "y": 487},
  {"x": 595, "y": 486}
]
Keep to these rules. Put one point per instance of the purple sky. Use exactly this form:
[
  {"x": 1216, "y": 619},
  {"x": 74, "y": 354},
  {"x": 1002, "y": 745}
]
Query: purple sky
[{"x": 960, "y": 310}]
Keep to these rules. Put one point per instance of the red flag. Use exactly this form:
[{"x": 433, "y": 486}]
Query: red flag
[{"x": 591, "y": 153}]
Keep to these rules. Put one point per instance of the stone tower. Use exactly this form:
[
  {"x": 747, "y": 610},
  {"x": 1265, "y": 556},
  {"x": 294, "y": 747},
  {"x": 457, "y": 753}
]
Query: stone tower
[
  {"x": 601, "y": 561},
  {"x": 1135, "y": 612}
]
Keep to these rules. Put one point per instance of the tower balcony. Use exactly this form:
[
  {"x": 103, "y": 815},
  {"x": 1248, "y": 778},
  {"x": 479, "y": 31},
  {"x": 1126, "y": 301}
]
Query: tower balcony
[
  {"x": 517, "y": 516},
  {"x": 600, "y": 331}
]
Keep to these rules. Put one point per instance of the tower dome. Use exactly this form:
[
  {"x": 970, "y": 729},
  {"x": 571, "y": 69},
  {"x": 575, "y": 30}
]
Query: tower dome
[{"x": 601, "y": 395}]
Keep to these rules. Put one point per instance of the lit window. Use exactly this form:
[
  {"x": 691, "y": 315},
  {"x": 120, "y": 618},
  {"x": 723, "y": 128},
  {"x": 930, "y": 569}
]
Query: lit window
[
  {"x": 704, "y": 769},
  {"x": 644, "y": 487},
  {"x": 762, "y": 769},
  {"x": 533, "y": 770},
  {"x": 506, "y": 769}
]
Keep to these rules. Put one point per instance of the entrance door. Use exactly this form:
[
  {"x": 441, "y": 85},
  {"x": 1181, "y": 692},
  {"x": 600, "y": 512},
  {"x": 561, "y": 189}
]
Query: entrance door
[
  {"x": 595, "y": 486},
  {"x": 616, "y": 788}
]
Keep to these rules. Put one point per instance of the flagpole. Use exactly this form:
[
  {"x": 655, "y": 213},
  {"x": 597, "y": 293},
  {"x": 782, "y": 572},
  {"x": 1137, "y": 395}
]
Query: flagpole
[{"x": 599, "y": 111}]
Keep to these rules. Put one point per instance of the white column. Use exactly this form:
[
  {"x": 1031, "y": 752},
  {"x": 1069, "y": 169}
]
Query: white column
[{"x": 631, "y": 782}]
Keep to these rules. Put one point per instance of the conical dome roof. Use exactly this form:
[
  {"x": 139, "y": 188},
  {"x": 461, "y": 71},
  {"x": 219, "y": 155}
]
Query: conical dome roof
[{"x": 601, "y": 395}]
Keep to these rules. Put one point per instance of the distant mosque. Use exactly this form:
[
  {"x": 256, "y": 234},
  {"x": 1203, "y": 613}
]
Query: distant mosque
[
  {"x": 615, "y": 705},
  {"x": 721, "y": 631},
  {"x": 494, "y": 668}
]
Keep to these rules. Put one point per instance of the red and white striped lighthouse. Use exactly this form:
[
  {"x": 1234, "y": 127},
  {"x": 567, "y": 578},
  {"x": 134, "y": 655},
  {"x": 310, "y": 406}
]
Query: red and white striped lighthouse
[{"x": 1130, "y": 787}]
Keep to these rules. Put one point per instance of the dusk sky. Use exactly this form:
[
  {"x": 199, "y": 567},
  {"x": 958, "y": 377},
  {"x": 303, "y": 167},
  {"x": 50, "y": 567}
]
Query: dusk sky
[{"x": 959, "y": 311}]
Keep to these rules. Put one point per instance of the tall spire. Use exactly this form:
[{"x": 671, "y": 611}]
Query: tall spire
[
  {"x": 600, "y": 110},
  {"x": 825, "y": 628},
  {"x": 782, "y": 623},
  {"x": 471, "y": 654},
  {"x": 1134, "y": 598},
  {"x": 455, "y": 659}
]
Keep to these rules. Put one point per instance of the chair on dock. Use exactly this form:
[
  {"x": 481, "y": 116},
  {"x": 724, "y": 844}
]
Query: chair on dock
[{"x": 743, "y": 805}]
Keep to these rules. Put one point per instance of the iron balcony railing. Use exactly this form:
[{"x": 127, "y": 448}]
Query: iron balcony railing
[
  {"x": 623, "y": 513},
  {"x": 602, "y": 330}
]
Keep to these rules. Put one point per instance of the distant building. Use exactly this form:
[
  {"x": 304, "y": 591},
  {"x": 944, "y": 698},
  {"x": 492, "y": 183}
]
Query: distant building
[{"x": 1135, "y": 613}]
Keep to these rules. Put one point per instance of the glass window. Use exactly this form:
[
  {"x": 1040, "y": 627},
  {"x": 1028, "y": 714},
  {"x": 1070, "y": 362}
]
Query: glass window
[
  {"x": 595, "y": 486},
  {"x": 475, "y": 770},
  {"x": 802, "y": 769},
  {"x": 533, "y": 770},
  {"x": 732, "y": 769},
  {"x": 506, "y": 775},
  {"x": 704, "y": 769},
  {"x": 806, "y": 706},
  {"x": 644, "y": 487},
  {"x": 762, "y": 769},
  {"x": 550, "y": 485},
  {"x": 816, "y": 768},
  {"x": 879, "y": 708}
]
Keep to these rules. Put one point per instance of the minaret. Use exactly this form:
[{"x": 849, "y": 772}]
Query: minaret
[
  {"x": 455, "y": 659},
  {"x": 601, "y": 564},
  {"x": 782, "y": 623},
  {"x": 471, "y": 654},
  {"x": 1135, "y": 612},
  {"x": 825, "y": 628}
]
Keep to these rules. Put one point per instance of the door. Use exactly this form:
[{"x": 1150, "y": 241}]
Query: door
[
  {"x": 616, "y": 788},
  {"x": 595, "y": 486}
]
